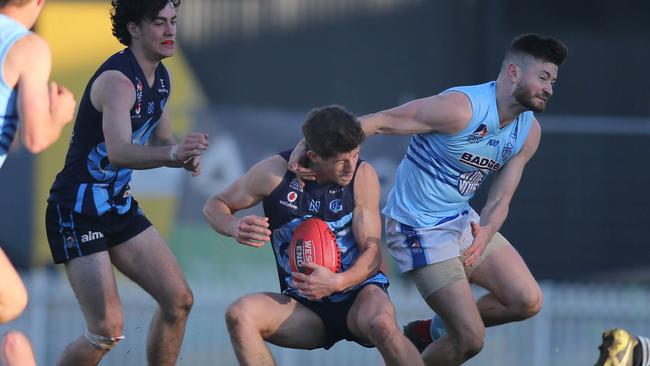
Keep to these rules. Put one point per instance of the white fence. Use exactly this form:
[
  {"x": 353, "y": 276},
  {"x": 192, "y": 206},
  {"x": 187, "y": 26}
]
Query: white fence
[{"x": 566, "y": 332}]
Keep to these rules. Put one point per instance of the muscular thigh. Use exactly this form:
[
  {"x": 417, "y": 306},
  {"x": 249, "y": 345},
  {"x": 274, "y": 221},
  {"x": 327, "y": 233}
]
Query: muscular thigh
[
  {"x": 283, "y": 321},
  {"x": 505, "y": 274},
  {"x": 93, "y": 283},
  {"x": 147, "y": 260},
  {"x": 455, "y": 304}
]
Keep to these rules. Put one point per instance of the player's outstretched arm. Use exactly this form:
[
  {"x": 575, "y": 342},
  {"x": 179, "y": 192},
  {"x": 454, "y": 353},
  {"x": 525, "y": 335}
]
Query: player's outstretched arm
[
  {"x": 43, "y": 110},
  {"x": 503, "y": 187},
  {"x": 246, "y": 192},
  {"x": 446, "y": 113},
  {"x": 13, "y": 295},
  {"x": 112, "y": 93}
]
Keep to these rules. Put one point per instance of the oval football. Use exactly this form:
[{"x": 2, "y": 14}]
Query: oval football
[{"x": 314, "y": 241}]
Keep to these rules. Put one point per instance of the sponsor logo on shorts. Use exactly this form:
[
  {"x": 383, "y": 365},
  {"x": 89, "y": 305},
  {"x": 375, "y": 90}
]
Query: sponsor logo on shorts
[
  {"x": 69, "y": 241},
  {"x": 92, "y": 235},
  {"x": 480, "y": 162}
]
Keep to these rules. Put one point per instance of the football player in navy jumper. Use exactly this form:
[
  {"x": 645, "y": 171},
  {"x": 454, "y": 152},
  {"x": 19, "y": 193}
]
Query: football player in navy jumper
[
  {"x": 319, "y": 309},
  {"x": 92, "y": 221}
]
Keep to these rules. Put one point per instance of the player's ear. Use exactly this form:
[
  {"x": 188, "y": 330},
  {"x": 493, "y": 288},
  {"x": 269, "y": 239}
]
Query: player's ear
[
  {"x": 513, "y": 71},
  {"x": 313, "y": 156},
  {"x": 133, "y": 29}
]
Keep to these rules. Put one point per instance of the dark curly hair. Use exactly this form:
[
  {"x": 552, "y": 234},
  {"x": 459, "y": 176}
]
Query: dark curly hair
[
  {"x": 125, "y": 11},
  {"x": 332, "y": 130}
]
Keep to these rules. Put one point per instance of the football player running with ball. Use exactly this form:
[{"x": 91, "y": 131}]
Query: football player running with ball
[{"x": 319, "y": 309}]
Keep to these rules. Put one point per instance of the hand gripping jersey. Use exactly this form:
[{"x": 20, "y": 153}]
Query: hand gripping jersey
[
  {"x": 290, "y": 203},
  {"x": 88, "y": 184},
  {"x": 10, "y": 32},
  {"x": 440, "y": 173}
]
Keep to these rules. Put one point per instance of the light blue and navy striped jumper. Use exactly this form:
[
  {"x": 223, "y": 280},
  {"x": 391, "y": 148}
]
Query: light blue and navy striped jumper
[
  {"x": 88, "y": 183},
  {"x": 290, "y": 203},
  {"x": 10, "y": 32},
  {"x": 440, "y": 173}
]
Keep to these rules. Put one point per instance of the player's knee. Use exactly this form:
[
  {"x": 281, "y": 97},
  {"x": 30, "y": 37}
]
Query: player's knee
[
  {"x": 470, "y": 345},
  {"x": 111, "y": 325},
  {"x": 181, "y": 305},
  {"x": 529, "y": 304},
  {"x": 467, "y": 343},
  {"x": 237, "y": 316},
  {"x": 383, "y": 327}
]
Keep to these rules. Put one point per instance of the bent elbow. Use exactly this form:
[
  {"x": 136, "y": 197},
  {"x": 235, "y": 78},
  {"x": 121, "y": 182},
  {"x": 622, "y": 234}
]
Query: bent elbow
[
  {"x": 116, "y": 160},
  {"x": 35, "y": 144},
  {"x": 11, "y": 311}
]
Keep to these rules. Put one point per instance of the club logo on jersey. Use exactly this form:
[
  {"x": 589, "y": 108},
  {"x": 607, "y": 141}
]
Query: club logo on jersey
[
  {"x": 507, "y": 151},
  {"x": 469, "y": 182},
  {"x": 150, "y": 107},
  {"x": 478, "y": 134},
  {"x": 336, "y": 205},
  {"x": 296, "y": 185},
  {"x": 92, "y": 235},
  {"x": 314, "y": 205},
  {"x": 479, "y": 162}
]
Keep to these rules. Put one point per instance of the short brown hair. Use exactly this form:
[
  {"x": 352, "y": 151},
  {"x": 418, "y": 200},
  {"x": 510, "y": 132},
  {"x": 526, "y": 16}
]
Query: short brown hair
[{"x": 332, "y": 130}]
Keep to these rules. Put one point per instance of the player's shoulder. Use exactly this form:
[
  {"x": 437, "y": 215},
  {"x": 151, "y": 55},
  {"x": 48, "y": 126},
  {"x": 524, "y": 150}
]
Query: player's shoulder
[
  {"x": 111, "y": 87},
  {"x": 270, "y": 170},
  {"x": 366, "y": 174},
  {"x": 32, "y": 46},
  {"x": 112, "y": 81}
]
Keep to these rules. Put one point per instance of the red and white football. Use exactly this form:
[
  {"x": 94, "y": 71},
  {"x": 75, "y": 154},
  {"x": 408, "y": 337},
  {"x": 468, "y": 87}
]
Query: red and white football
[{"x": 314, "y": 241}]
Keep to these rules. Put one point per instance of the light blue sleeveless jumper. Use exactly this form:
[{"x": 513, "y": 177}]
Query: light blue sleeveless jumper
[{"x": 440, "y": 173}]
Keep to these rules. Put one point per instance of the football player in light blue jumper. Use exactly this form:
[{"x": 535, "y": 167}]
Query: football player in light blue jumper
[{"x": 460, "y": 136}]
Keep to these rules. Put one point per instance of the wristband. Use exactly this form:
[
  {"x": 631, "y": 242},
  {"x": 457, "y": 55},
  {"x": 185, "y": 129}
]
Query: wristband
[{"x": 173, "y": 153}]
